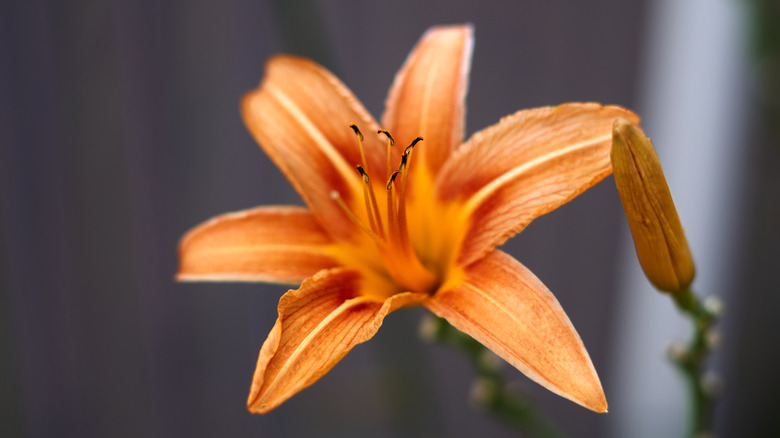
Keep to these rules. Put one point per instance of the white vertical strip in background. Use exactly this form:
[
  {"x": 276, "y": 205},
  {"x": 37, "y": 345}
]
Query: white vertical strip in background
[{"x": 693, "y": 107}]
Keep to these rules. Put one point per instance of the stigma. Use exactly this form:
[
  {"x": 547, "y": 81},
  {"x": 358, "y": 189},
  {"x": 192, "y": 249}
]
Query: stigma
[{"x": 387, "y": 225}]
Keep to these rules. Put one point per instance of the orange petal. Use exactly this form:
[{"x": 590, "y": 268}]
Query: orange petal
[
  {"x": 318, "y": 324},
  {"x": 300, "y": 116},
  {"x": 501, "y": 304},
  {"x": 273, "y": 244},
  {"x": 528, "y": 164},
  {"x": 428, "y": 96}
]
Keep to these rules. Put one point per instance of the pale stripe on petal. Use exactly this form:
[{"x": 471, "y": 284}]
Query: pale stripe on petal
[
  {"x": 428, "y": 96},
  {"x": 528, "y": 164},
  {"x": 318, "y": 324},
  {"x": 501, "y": 304},
  {"x": 281, "y": 244},
  {"x": 300, "y": 115}
]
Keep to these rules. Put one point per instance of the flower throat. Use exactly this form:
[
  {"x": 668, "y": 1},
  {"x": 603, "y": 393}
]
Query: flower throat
[{"x": 387, "y": 227}]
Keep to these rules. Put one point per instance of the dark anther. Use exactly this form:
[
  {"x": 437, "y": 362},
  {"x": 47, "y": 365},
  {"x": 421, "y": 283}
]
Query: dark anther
[
  {"x": 408, "y": 149},
  {"x": 390, "y": 137},
  {"x": 357, "y": 131},
  {"x": 362, "y": 173},
  {"x": 392, "y": 179},
  {"x": 404, "y": 157}
]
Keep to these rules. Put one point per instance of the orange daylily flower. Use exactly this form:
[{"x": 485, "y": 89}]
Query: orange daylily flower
[{"x": 413, "y": 225}]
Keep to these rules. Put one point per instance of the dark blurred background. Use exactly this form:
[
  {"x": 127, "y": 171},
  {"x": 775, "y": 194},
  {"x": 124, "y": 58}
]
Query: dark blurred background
[{"x": 119, "y": 130}]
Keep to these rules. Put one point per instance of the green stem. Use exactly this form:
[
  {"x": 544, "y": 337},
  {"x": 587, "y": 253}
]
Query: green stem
[
  {"x": 692, "y": 359},
  {"x": 495, "y": 397}
]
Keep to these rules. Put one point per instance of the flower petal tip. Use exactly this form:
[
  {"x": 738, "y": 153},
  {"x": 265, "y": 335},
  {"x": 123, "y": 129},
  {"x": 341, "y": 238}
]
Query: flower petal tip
[
  {"x": 462, "y": 27},
  {"x": 596, "y": 401},
  {"x": 588, "y": 393},
  {"x": 255, "y": 407}
]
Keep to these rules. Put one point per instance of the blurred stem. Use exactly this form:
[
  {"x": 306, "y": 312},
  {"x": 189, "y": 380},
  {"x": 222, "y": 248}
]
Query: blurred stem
[
  {"x": 494, "y": 395},
  {"x": 691, "y": 360}
]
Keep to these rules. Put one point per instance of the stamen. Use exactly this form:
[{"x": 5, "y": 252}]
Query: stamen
[
  {"x": 403, "y": 231},
  {"x": 392, "y": 216},
  {"x": 389, "y": 137},
  {"x": 408, "y": 149},
  {"x": 366, "y": 199},
  {"x": 372, "y": 207},
  {"x": 395, "y": 249},
  {"x": 360, "y": 143},
  {"x": 390, "y": 143},
  {"x": 336, "y": 196},
  {"x": 404, "y": 157},
  {"x": 357, "y": 131},
  {"x": 392, "y": 178},
  {"x": 362, "y": 173}
]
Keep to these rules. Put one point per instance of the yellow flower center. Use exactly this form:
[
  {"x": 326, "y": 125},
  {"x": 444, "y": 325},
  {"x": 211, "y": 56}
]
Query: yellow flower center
[{"x": 387, "y": 225}]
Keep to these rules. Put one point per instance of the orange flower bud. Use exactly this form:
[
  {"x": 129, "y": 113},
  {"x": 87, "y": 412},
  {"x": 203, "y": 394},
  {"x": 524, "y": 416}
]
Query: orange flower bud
[{"x": 658, "y": 235}]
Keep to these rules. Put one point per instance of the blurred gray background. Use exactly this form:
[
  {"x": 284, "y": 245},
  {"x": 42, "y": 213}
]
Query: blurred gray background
[{"x": 119, "y": 130}]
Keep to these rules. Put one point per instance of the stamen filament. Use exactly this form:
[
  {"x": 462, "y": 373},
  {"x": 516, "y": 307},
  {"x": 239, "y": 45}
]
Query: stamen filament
[
  {"x": 374, "y": 217},
  {"x": 403, "y": 231},
  {"x": 375, "y": 209},
  {"x": 366, "y": 197},
  {"x": 360, "y": 144},
  {"x": 336, "y": 196},
  {"x": 392, "y": 216},
  {"x": 367, "y": 201}
]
